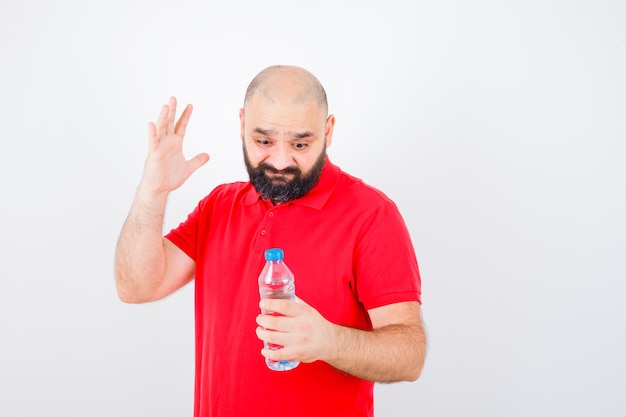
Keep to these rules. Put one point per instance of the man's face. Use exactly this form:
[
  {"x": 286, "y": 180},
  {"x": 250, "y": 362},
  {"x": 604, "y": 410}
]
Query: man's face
[
  {"x": 284, "y": 185},
  {"x": 284, "y": 146}
]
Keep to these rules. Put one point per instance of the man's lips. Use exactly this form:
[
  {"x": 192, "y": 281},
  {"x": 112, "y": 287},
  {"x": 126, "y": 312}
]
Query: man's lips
[{"x": 279, "y": 176}]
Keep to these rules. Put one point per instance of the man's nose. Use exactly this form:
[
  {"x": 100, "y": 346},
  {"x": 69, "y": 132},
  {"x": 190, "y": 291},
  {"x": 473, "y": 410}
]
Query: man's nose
[{"x": 281, "y": 157}]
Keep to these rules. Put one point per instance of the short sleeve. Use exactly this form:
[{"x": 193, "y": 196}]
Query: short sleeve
[
  {"x": 185, "y": 236},
  {"x": 386, "y": 268}
]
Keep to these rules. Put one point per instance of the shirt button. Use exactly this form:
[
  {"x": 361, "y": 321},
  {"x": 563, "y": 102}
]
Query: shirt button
[
  {"x": 263, "y": 232},
  {"x": 271, "y": 214}
]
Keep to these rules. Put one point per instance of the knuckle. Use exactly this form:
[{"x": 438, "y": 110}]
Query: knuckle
[
  {"x": 303, "y": 327},
  {"x": 270, "y": 322}
]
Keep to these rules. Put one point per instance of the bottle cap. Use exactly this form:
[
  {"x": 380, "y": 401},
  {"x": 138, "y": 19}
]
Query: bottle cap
[{"x": 274, "y": 254}]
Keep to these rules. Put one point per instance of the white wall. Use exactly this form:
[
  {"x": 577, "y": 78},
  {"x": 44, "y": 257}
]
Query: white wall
[{"x": 497, "y": 127}]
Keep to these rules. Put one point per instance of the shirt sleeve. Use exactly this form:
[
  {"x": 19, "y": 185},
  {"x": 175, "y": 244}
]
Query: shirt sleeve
[
  {"x": 185, "y": 236},
  {"x": 386, "y": 267}
]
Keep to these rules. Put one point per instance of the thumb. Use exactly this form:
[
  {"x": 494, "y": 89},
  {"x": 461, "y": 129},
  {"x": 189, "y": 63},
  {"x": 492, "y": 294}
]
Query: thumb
[{"x": 197, "y": 161}]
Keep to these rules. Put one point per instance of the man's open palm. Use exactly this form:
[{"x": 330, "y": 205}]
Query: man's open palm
[{"x": 166, "y": 168}]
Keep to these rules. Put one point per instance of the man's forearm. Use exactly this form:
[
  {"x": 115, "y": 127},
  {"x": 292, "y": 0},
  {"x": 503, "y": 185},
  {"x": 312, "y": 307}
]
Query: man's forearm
[
  {"x": 139, "y": 255},
  {"x": 393, "y": 351},
  {"x": 387, "y": 354}
]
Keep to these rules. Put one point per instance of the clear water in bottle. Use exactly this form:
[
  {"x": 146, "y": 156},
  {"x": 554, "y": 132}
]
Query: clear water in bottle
[{"x": 277, "y": 281}]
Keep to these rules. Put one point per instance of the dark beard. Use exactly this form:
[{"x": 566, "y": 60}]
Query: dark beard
[{"x": 280, "y": 190}]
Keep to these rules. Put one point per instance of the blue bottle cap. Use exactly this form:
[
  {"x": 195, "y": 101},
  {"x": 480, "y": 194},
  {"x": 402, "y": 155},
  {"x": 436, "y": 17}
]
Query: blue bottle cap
[{"x": 274, "y": 254}]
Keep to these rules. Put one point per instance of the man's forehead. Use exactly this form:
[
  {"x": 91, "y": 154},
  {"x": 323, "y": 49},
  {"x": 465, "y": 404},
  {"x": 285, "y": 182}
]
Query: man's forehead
[
  {"x": 261, "y": 112},
  {"x": 275, "y": 99}
]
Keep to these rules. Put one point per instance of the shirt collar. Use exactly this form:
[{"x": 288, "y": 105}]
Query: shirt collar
[{"x": 316, "y": 197}]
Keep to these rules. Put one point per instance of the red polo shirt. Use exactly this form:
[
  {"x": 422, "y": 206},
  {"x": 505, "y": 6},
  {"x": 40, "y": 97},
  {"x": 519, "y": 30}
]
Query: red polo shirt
[{"x": 349, "y": 250}]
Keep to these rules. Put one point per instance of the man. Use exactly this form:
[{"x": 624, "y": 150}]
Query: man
[{"x": 357, "y": 319}]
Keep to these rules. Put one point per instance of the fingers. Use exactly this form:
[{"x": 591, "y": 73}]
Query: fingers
[
  {"x": 283, "y": 354},
  {"x": 181, "y": 125},
  {"x": 275, "y": 323},
  {"x": 302, "y": 331},
  {"x": 162, "y": 121},
  {"x": 285, "y": 316},
  {"x": 171, "y": 116},
  {"x": 152, "y": 136},
  {"x": 166, "y": 125},
  {"x": 287, "y": 348},
  {"x": 197, "y": 161},
  {"x": 284, "y": 307},
  {"x": 273, "y": 337}
]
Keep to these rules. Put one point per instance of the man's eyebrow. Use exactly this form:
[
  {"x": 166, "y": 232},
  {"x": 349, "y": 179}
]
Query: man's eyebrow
[
  {"x": 264, "y": 132},
  {"x": 302, "y": 135},
  {"x": 272, "y": 133}
]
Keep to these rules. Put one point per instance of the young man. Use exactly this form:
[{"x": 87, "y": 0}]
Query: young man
[{"x": 357, "y": 319}]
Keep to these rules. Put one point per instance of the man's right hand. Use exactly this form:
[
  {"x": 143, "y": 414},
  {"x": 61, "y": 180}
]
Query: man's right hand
[
  {"x": 147, "y": 266},
  {"x": 166, "y": 168}
]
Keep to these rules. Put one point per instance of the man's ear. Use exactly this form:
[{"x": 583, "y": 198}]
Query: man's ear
[
  {"x": 242, "y": 122},
  {"x": 328, "y": 132}
]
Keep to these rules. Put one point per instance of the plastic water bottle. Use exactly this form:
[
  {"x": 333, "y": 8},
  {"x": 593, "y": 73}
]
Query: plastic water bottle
[{"x": 277, "y": 281}]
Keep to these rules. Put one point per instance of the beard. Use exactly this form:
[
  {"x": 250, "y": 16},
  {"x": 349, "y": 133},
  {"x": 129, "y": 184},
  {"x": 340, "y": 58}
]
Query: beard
[{"x": 274, "y": 185}]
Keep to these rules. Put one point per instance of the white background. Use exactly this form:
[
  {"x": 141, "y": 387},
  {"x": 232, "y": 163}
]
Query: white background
[{"x": 497, "y": 127}]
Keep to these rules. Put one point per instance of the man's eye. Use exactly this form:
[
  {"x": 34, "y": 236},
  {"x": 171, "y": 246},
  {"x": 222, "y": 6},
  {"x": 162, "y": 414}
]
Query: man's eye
[
  {"x": 263, "y": 142},
  {"x": 300, "y": 146}
]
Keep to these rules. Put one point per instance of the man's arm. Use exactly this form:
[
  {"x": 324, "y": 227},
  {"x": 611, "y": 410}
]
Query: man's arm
[
  {"x": 393, "y": 351},
  {"x": 147, "y": 266}
]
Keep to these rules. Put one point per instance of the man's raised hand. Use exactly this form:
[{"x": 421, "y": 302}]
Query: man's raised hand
[{"x": 166, "y": 168}]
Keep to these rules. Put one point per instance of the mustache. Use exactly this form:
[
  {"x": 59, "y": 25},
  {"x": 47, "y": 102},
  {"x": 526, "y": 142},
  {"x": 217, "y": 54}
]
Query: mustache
[{"x": 267, "y": 168}]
